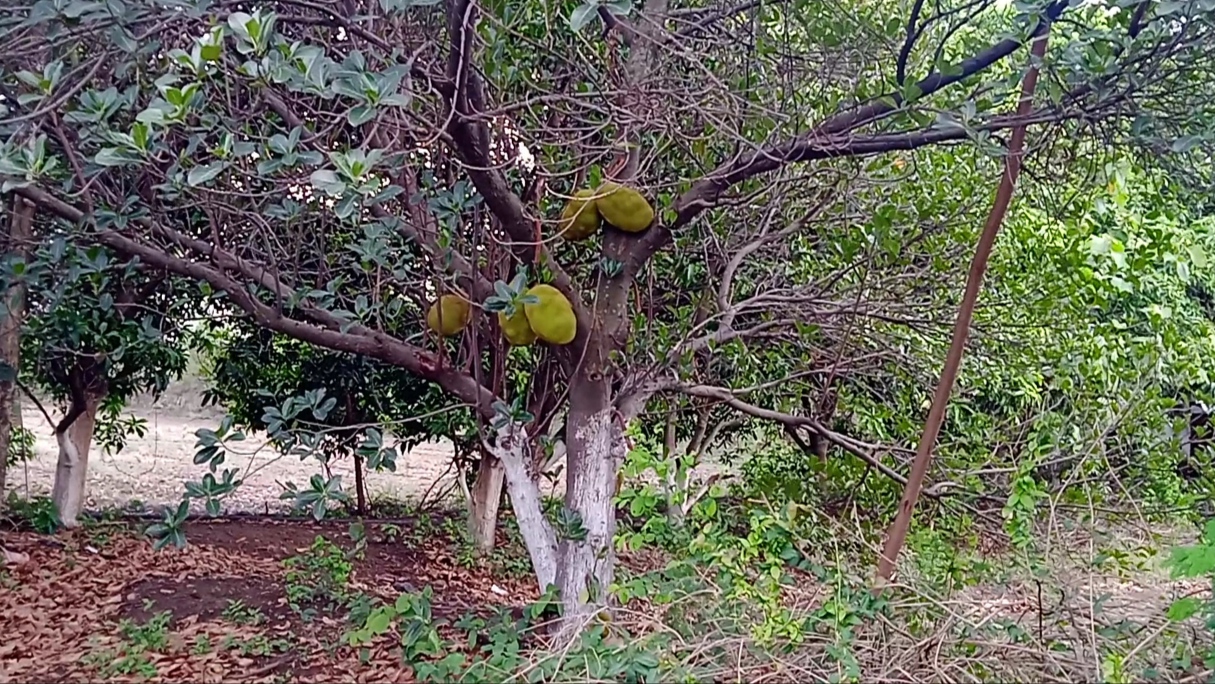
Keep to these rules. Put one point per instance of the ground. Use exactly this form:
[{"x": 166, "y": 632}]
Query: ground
[
  {"x": 152, "y": 469},
  {"x": 250, "y": 601},
  {"x": 263, "y": 600},
  {"x": 100, "y": 602}
]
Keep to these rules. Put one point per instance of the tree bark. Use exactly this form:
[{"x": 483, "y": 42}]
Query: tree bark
[
  {"x": 957, "y": 346},
  {"x": 484, "y": 501},
  {"x": 511, "y": 448},
  {"x": 360, "y": 487},
  {"x": 587, "y": 558},
  {"x": 74, "y": 438},
  {"x": 19, "y": 236}
]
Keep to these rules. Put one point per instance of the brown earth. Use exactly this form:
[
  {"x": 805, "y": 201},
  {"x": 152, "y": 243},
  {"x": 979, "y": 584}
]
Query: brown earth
[{"x": 81, "y": 606}]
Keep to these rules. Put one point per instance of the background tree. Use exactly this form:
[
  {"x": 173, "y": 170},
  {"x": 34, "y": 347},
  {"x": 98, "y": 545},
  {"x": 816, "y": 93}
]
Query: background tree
[
  {"x": 374, "y": 412},
  {"x": 99, "y": 331},
  {"x": 18, "y": 242}
]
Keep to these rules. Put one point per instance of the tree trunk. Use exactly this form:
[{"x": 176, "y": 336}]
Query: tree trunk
[
  {"x": 676, "y": 480},
  {"x": 71, "y": 474},
  {"x": 360, "y": 488},
  {"x": 484, "y": 500},
  {"x": 20, "y": 231},
  {"x": 577, "y": 557},
  {"x": 511, "y": 448},
  {"x": 586, "y": 556}
]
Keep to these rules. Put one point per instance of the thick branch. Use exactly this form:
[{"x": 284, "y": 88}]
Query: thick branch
[
  {"x": 328, "y": 330},
  {"x": 845, "y": 146},
  {"x": 471, "y": 137},
  {"x": 77, "y": 401},
  {"x": 829, "y": 132}
]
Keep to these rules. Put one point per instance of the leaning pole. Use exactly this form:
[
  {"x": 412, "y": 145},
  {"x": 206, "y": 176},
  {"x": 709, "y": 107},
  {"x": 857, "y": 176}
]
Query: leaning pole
[{"x": 961, "y": 329}]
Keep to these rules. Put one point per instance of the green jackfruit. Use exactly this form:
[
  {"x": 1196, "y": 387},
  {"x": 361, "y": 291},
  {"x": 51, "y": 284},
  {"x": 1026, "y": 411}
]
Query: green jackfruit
[
  {"x": 624, "y": 207},
  {"x": 580, "y": 218},
  {"x": 552, "y": 318},
  {"x": 516, "y": 329},
  {"x": 457, "y": 313}
]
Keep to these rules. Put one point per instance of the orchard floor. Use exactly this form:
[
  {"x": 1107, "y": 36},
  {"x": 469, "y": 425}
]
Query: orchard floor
[{"x": 100, "y": 603}]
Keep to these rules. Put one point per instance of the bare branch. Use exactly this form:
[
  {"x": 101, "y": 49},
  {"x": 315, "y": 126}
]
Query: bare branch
[
  {"x": 846, "y": 443},
  {"x": 826, "y": 139}
]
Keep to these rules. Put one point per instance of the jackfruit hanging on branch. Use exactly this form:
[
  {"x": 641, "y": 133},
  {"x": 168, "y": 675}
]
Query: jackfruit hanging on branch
[
  {"x": 623, "y": 207},
  {"x": 516, "y": 329},
  {"x": 620, "y": 206},
  {"x": 580, "y": 218},
  {"x": 450, "y": 315},
  {"x": 525, "y": 315},
  {"x": 552, "y": 316}
]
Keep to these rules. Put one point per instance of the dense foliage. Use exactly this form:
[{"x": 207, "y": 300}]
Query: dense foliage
[{"x": 352, "y": 406}]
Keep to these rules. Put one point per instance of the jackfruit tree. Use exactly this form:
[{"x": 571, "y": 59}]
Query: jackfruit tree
[
  {"x": 319, "y": 167},
  {"x": 95, "y": 331}
]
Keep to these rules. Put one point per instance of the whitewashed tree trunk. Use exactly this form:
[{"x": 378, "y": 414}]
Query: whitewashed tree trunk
[
  {"x": 511, "y": 449},
  {"x": 578, "y": 559},
  {"x": 71, "y": 474},
  {"x": 484, "y": 500},
  {"x": 586, "y": 564}
]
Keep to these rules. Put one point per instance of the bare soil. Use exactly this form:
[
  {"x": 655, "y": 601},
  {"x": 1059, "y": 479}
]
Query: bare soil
[
  {"x": 152, "y": 469},
  {"x": 84, "y": 604}
]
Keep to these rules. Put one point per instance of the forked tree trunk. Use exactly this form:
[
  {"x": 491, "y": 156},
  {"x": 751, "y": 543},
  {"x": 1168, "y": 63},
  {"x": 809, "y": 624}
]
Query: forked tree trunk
[
  {"x": 576, "y": 555},
  {"x": 71, "y": 474},
  {"x": 485, "y": 497},
  {"x": 20, "y": 231}
]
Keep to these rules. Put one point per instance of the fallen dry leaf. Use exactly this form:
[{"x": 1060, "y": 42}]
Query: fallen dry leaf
[{"x": 15, "y": 557}]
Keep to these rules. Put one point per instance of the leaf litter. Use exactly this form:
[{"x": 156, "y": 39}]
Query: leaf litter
[{"x": 74, "y": 608}]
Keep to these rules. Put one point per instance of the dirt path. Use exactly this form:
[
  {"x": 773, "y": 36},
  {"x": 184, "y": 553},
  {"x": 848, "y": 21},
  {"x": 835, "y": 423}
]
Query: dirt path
[{"x": 152, "y": 469}]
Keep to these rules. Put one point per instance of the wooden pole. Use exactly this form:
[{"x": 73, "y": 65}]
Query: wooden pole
[{"x": 961, "y": 330}]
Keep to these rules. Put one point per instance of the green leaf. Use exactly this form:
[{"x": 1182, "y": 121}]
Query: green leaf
[
  {"x": 1183, "y": 609},
  {"x": 360, "y": 115},
  {"x": 116, "y": 156},
  {"x": 201, "y": 174},
  {"x": 1186, "y": 143},
  {"x": 1198, "y": 257},
  {"x": 582, "y": 15},
  {"x": 327, "y": 181},
  {"x": 378, "y": 622}
]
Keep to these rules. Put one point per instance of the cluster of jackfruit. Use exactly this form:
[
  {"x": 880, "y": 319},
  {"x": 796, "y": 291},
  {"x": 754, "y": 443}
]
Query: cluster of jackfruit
[
  {"x": 622, "y": 207},
  {"x": 550, "y": 319}
]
